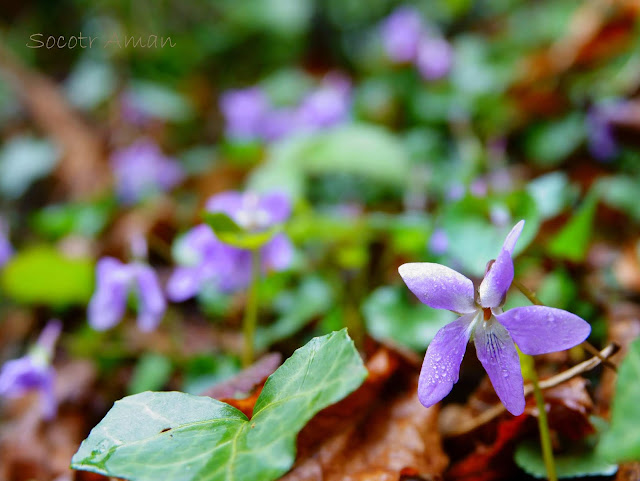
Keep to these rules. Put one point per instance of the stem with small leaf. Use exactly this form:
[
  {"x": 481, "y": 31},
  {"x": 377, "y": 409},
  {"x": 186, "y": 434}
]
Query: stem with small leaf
[{"x": 251, "y": 312}]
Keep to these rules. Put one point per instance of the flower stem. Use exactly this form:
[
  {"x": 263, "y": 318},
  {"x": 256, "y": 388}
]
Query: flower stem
[
  {"x": 251, "y": 312},
  {"x": 543, "y": 426}
]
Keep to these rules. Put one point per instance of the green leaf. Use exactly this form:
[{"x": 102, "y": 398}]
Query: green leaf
[
  {"x": 56, "y": 221},
  {"x": 159, "y": 101},
  {"x": 310, "y": 300},
  {"x": 474, "y": 240},
  {"x": 221, "y": 223},
  {"x": 151, "y": 372},
  {"x": 365, "y": 151},
  {"x": 622, "y": 441},
  {"x": 572, "y": 242},
  {"x": 621, "y": 192},
  {"x": 177, "y": 436},
  {"x": 43, "y": 275},
  {"x": 23, "y": 160},
  {"x": 389, "y": 315},
  {"x": 552, "y": 193},
  {"x": 231, "y": 233},
  {"x": 580, "y": 459},
  {"x": 551, "y": 142}
]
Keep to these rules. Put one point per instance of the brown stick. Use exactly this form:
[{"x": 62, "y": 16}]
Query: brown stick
[
  {"x": 564, "y": 376},
  {"x": 81, "y": 170}
]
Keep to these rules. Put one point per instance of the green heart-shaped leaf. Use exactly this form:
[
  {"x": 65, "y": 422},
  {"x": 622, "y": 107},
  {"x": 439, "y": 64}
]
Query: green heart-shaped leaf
[
  {"x": 622, "y": 441},
  {"x": 177, "y": 436},
  {"x": 579, "y": 459},
  {"x": 389, "y": 315}
]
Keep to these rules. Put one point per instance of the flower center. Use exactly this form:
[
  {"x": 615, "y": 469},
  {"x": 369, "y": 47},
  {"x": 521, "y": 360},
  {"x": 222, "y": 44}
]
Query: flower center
[{"x": 487, "y": 313}]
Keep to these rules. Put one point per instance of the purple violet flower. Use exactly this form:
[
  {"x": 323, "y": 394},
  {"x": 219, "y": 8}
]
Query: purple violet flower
[
  {"x": 434, "y": 58},
  {"x": 401, "y": 33},
  {"x": 142, "y": 169},
  {"x": 34, "y": 371},
  {"x": 115, "y": 281},
  {"x": 203, "y": 259},
  {"x": 535, "y": 329},
  {"x": 207, "y": 260},
  {"x": 244, "y": 111}
]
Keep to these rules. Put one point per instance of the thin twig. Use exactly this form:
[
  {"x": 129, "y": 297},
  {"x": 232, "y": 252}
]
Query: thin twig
[{"x": 564, "y": 376}]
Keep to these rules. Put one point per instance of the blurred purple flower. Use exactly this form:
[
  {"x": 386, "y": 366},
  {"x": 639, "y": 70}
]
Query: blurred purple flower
[
  {"x": 602, "y": 142},
  {"x": 535, "y": 329},
  {"x": 142, "y": 169},
  {"x": 479, "y": 187},
  {"x": 279, "y": 123},
  {"x": 205, "y": 259},
  {"x": 434, "y": 58},
  {"x": 328, "y": 105},
  {"x": 6, "y": 249},
  {"x": 499, "y": 215},
  {"x": 202, "y": 258},
  {"x": 455, "y": 191},
  {"x": 439, "y": 242},
  {"x": 401, "y": 33},
  {"x": 34, "y": 371},
  {"x": 252, "y": 211},
  {"x": 115, "y": 281},
  {"x": 244, "y": 112}
]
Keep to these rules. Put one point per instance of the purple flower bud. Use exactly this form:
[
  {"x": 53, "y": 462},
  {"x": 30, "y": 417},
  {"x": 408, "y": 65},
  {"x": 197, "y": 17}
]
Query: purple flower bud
[
  {"x": 401, "y": 32},
  {"x": 142, "y": 169},
  {"x": 455, "y": 191},
  {"x": 6, "y": 250},
  {"x": 479, "y": 187},
  {"x": 499, "y": 215},
  {"x": 115, "y": 280},
  {"x": 34, "y": 371},
  {"x": 439, "y": 242},
  {"x": 602, "y": 142},
  {"x": 244, "y": 113},
  {"x": 435, "y": 57}
]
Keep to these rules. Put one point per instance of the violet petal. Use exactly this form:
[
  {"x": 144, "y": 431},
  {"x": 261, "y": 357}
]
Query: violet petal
[
  {"x": 498, "y": 279},
  {"x": 277, "y": 254},
  {"x": 441, "y": 365},
  {"x": 439, "y": 286},
  {"x": 497, "y": 353},
  {"x": 184, "y": 283},
  {"x": 151, "y": 302},
  {"x": 109, "y": 301},
  {"x": 277, "y": 205},
  {"x": 541, "y": 329}
]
